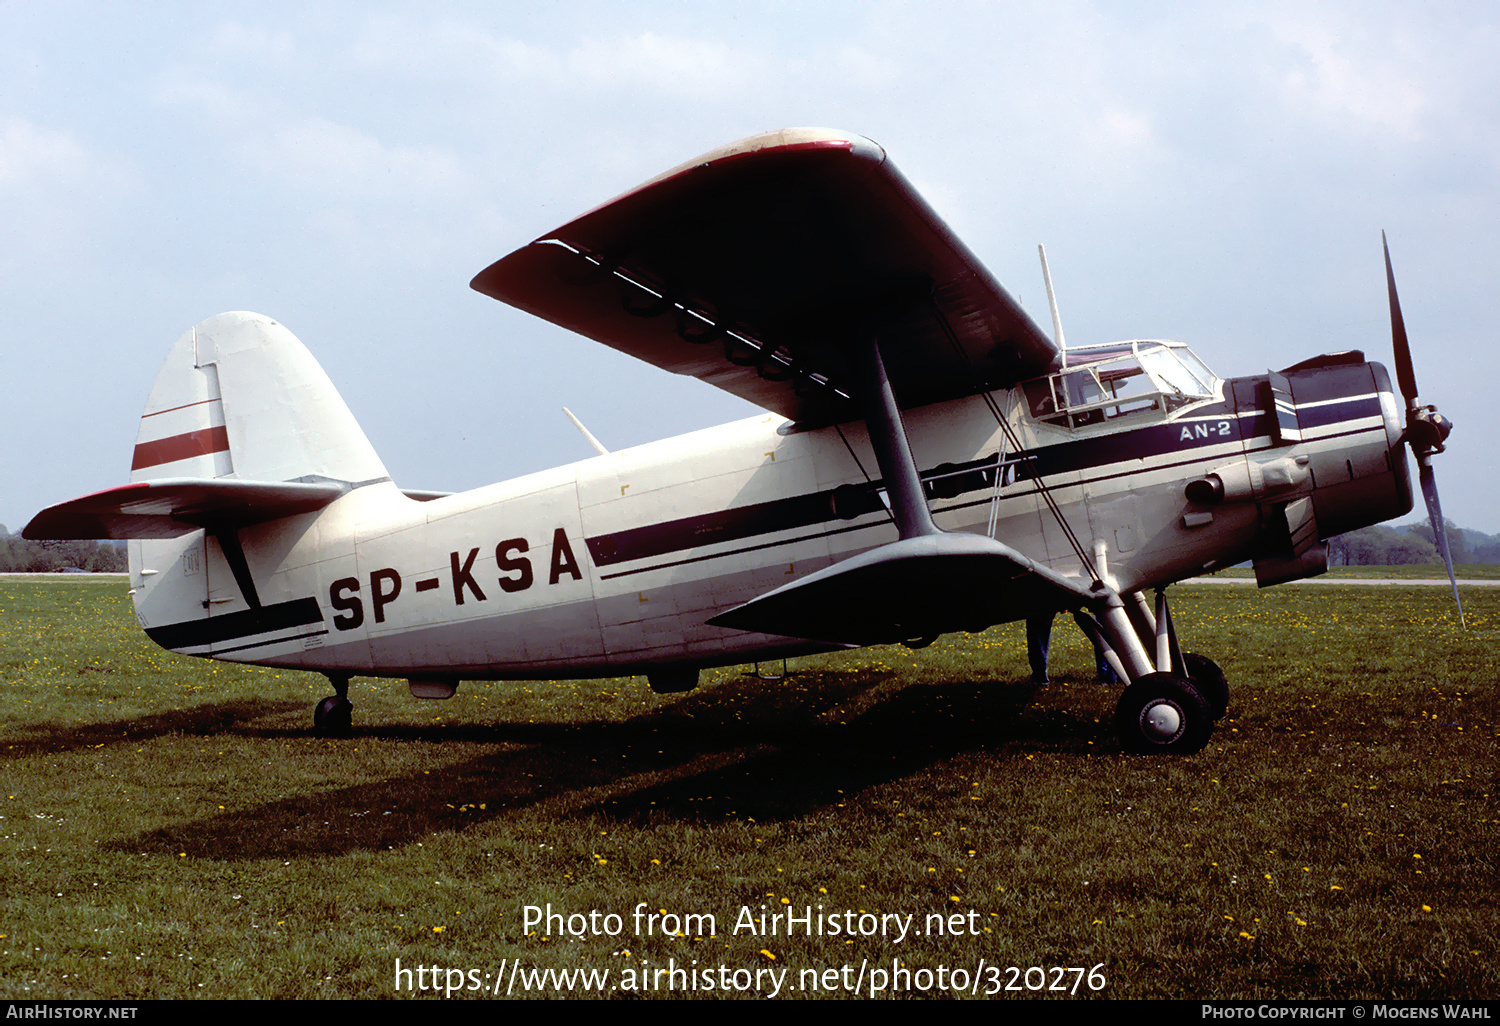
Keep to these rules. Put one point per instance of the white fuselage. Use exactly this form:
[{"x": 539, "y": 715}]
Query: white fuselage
[{"x": 611, "y": 565}]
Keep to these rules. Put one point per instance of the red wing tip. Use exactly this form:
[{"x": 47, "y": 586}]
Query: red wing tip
[{"x": 791, "y": 140}]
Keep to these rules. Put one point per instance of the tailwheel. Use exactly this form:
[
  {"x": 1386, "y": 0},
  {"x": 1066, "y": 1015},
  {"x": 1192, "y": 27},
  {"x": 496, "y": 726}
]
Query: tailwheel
[
  {"x": 1163, "y": 713},
  {"x": 1209, "y": 680},
  {"x": 333, "y": 717}
]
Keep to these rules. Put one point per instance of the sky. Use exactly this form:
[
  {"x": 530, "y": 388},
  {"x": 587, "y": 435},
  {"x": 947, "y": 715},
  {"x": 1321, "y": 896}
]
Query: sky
[{"x": 1218, "y": 174}]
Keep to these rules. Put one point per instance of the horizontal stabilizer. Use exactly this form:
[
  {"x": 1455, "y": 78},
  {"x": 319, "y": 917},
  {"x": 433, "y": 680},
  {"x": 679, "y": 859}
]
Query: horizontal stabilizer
[
  {"x": 169, "y": 507},
  {"x": 913, "y": 588}
]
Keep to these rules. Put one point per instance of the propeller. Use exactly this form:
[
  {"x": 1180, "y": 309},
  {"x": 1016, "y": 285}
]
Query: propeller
[{"x": 1426, "y": 428}]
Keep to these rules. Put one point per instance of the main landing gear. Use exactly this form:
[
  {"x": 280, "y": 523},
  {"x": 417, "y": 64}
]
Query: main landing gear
[
  {"x": 1163, "y": 713},
  {"x": 1174, "y": 698},
  {"x": 334, "y": 716}
]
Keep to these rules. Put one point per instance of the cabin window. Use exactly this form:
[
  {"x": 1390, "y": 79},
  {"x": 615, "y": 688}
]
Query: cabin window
[{"x": 1121, "y": 381}]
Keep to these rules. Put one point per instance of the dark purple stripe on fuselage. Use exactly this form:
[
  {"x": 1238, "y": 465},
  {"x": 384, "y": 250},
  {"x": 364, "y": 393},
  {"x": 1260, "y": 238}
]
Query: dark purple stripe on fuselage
[
  {"x": 242, "y": 624},
  {"x": 1213, "y": 424}
]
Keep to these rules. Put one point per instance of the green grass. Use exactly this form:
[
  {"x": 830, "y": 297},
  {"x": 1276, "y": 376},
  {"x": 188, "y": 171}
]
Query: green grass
[
  {"x": 1403, "y": 572},
  {"x": 170, "y": 829}
]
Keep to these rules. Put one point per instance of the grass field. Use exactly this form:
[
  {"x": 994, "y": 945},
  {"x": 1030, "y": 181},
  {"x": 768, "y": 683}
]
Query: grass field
[
  {"x": 171, "y": 830},
  {"x": 1404, "y": 572}
]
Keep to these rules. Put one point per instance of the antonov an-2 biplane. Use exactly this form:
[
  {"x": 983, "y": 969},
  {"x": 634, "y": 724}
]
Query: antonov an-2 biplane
[{"x": 930, "y": 461}]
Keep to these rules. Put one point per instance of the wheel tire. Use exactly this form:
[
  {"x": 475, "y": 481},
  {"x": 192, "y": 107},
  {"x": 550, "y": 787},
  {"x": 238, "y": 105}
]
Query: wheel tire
[
  {"x": 1161, "y": 713},
  {"x": 333, "y": 717},
  {"x": 1209, "y": 680}
]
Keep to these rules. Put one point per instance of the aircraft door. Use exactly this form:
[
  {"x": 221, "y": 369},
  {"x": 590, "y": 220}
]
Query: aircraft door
[
  {"x": 1114, "y": 521},
  {"x": 1014, "y": 515},
  {"x": 1068, "y": 506},
  {"x": 169, "y": 579}
]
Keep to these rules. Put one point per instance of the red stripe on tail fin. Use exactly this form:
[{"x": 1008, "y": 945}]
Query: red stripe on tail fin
[{"x": 180, "y": 447}]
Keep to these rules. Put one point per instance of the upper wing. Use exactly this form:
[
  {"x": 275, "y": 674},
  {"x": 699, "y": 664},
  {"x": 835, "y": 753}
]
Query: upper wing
[{"x": 755, "y": 265}]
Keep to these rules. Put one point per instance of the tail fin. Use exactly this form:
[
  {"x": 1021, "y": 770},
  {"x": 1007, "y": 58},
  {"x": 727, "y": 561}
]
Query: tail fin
[
  {"x": 239, "y": 397},
  {"x": 242, "y": 431},
  {"x": 242, "y": 427}
]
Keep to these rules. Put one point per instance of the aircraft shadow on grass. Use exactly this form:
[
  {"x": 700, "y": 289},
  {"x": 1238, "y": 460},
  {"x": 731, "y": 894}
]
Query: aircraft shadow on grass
[
  {"x": 777, "y": 755},
  {"x": 212, "y": 718}
]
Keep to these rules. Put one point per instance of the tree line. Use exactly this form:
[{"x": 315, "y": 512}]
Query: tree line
[
  {"x": 22, "y": 556},
  {"x": 1391, "y": 546}
]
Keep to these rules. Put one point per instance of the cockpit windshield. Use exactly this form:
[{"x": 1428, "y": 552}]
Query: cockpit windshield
[{"x": 1101, "y": 383}]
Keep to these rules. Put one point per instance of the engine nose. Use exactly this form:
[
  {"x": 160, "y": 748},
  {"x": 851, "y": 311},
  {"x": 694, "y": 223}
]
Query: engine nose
[
  {"x": 1392, "y": 412},
  {"x": 1360, "y": 475}
]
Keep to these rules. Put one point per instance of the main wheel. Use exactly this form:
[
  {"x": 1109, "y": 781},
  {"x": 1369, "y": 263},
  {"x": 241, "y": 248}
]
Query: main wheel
[
  {"x": 1209, "y": 680},
  {"x": 1163, "y": 713},
  {"x": 333, "y": 717}
]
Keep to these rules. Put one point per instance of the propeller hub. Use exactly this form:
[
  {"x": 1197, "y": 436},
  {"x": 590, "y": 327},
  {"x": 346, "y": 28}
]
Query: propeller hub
[{"x": 1427, "y": 429}]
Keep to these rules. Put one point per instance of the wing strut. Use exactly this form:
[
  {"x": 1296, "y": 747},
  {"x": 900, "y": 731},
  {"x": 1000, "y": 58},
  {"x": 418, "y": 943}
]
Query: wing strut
[
  {"x": 888, "y": 437},
  {"x": 927, "y": 582},
  {"x": 234, "y": 554}
]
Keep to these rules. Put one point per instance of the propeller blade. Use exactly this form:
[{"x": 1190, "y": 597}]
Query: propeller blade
[
  {"x": 1425, "y": 429},
  {"x": 1406, "y": 377},
  {"x": 1439, "y": 530}
]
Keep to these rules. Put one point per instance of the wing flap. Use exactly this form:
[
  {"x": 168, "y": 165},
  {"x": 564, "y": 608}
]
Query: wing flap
[
  {"x": 755, "y": 265},
  {"x": 914, "y": 588},
  {"x": 170, "y": 507}
]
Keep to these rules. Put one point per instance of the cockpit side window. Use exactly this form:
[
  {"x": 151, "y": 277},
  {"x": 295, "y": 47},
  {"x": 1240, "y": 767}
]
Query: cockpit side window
[
  {"x": 1082, "y": 387},
  {"x": 1127, "y": 382},
  {"x": 1039, "y": 398}
]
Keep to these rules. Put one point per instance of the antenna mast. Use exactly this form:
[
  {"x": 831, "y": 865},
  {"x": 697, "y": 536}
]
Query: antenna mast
[{"x": 1057, "y": 332}]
